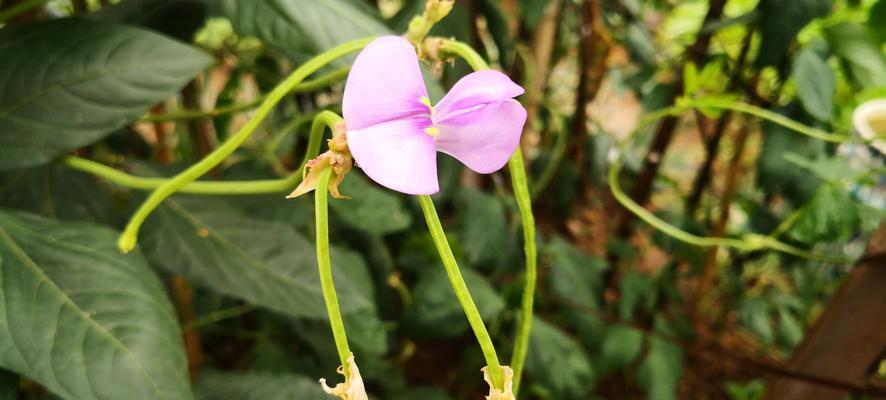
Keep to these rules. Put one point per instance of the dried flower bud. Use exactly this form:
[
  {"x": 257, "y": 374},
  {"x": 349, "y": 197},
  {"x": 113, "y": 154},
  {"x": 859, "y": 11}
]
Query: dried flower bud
[
  {"x": 352, "y": 388},
  {"x": 496, "y": 394}
]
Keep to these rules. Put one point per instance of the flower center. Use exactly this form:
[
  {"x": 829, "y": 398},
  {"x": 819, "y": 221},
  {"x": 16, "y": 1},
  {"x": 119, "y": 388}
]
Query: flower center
[{"x": 431, "y": 130}]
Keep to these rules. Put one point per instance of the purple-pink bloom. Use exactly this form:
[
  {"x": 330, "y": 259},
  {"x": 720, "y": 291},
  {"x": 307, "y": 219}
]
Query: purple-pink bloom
[{"x": 394, "y": 133}]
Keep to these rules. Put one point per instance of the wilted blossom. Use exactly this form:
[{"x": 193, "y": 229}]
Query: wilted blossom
[
  {"x": 337, "y": 157},
  {"x": 496, "y": 394},
  {"x": 352, "y": 388},
  {"x": 394, "y": 132}
]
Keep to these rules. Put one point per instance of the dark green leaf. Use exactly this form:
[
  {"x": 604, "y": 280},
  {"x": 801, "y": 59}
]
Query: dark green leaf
[
  {"x": 557, "y": 362},
  {"x": 82, "y": 319},
  {"x": 780, "y": 21},
  {"x": 532, "y": 12},
  {"x": 863, "y": 58},
  {"x": 485, "y": 237},
  {"x": 57, "y": 192},
  {"x": 301, "y": 29},
  {"x": 619, "y": 348},
  {"x": 371, "y": 209},
  {"x": 660, "y": 371},
  {"x": 212, "y": 244},
  {"x": 73, "y": 81},
  {"x": 831, "y": 216},
  {"x": 816, "y": 84},
  {"x": 216, "y": 385},
  {"x": 754, "y": 315},
  {"x": 636, "y": 290},
  {"x": 776, "y": 174},
  {"x": 177, "y": 18},
  {"x": 435, "y": 312},
  {"x": 575, "y": 276},
  {"x": 9, "y": 384},
  {"x": 877, "y": 21},
  {"x": 790, "y": 331}
]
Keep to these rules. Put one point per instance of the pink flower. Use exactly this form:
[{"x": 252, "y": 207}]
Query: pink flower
[{"x": 394, "y": 133}]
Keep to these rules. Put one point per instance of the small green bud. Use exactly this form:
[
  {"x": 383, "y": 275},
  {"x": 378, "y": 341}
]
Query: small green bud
[{"x": 435, "y": 10}]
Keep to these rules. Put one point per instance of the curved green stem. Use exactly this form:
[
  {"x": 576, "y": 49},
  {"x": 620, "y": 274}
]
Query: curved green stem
[
  {"x": 321, "y": 212},
  {"x": 323, "y": 120},
  {"x": 129, "y": 237},
  {"x": 524, "y": 203},
  {"x": 460, "y": 288},
  {"x": 304, "y": 87}
]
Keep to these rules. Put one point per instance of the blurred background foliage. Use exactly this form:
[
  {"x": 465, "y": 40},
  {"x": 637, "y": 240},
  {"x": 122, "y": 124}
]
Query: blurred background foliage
[{"x": 623, "y": 311}]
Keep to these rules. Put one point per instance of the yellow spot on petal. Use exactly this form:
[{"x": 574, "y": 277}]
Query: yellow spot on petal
[{"x": 432, "y": 130}]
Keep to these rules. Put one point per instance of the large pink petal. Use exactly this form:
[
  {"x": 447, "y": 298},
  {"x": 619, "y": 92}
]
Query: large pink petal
[
  {"x": 397, "y": 154},
  {"x": 385, "y": 83},
  {"x": 476, "y": 89},
  {"x": 485, "y": 138}
]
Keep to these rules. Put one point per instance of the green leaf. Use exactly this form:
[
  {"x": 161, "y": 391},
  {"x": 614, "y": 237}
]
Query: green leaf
[
  {"x": 754, "y": 314},
  {"x": 435, "y": 311},
  {"x": 790, "y": 331},
  {"x": 370, "y": 209},
  {"x": 816, "y": 84},
  {"x": 659, "y": 373},
  {"x": 74, "y": 81},
  {"x": 82, "y": 319},
  {"x": 217, "y": 385},
  {"x": 876, "y": 17},
  {"x": 862, "y": 57},
  {"x": 9, "y": 385},
  {"x": 618, "y": 349},
  {"x": 301, "y": 29},
  {"x": 214, "y": 245},
  {"x": 777, "y": 175},
  {"x": 574, "y": 276},
  {"x": 636, "y": 289},
  {"x": 780, "y": 21},
  {"x": 177, "y": 18},
  {"x": 557, "y": 362},
  {"x": 532, "y": 11},
  {"x": 58, "y": 192},
  {"x": 485, "y": 236},
  {"x": 830, "y": 216}
]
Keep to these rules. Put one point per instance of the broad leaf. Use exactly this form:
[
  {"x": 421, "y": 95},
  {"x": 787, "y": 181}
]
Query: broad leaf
[
  {"x": 58, "y": 192},
  {"x": 9, "y": 384},
  {"x": 71, "y": 82},
  {"x": 574, "y": 276},
  {"x": 780, "y": 21},
  {"x": 82, "y": 319},
  {"x": 781, "y": 176},
  {"x": 212, "y": 244},
  {"x": 863, "y": 58},
  {"x": 177, "y": 18},
  {"x": 435, "y": 312},
  {"x": 301, "y": 29},
  {"x": 485, "y": 236},
  {"x": 816, "y": 84},
  {"x": 659, "y": 373},
  {"x": 371, "y": 209},
  {"x": 830, "y": 216},
  {"x": 619, "y": 347},
  {"x": 216, "y": 385},
  {"x": 557, "y": 362}
]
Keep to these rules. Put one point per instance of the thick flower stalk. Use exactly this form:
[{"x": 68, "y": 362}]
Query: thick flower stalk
[{"x": 394, "y": 132}]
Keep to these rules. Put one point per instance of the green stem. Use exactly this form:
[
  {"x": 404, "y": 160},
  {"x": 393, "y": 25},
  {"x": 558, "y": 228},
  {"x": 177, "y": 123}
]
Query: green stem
[
  {"x": 321, "y": 212},
  {"x": 461, "y": 289},
  {"x": 20, "y": 8},
  {"x": 129, "y": 237},
  {"x": 304, "y": 87},
  {"x": 325, "y": 119},
  {"x": 524, "y": 203}
]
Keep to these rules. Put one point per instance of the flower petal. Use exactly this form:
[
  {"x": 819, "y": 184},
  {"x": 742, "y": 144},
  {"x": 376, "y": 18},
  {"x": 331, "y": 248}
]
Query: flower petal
[
  {"x": 385, "y": 83},
  {"x": 475, "y": 89},
  {"x": 485, "y": 138},
  {"x": 397, "y": 154}
]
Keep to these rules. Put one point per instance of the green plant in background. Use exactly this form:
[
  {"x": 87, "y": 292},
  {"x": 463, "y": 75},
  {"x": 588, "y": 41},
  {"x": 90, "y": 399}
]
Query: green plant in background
[{"x": 697, "y": 183}]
